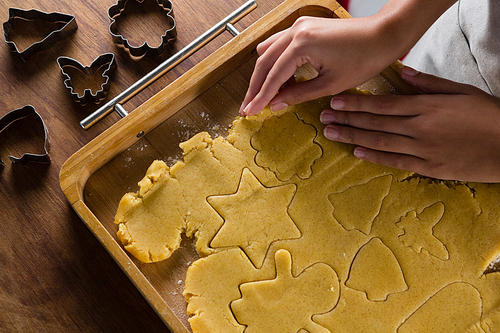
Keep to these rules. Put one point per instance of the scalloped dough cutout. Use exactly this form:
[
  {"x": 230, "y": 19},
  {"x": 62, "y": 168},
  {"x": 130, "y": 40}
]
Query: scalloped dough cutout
[{"x": 285, "y": 145}]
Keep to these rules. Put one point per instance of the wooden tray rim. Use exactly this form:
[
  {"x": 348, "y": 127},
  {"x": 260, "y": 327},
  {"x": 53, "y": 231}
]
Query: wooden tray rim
[{"x": 81, "y": 165}]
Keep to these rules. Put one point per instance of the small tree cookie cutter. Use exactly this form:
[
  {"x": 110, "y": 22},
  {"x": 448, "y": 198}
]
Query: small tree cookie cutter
[
  {"x": 19, "y": 114},
  {"x": 139, "y": 51},
  {"x": 32, "y": 15},
  {"x": 104, "y": 60}
]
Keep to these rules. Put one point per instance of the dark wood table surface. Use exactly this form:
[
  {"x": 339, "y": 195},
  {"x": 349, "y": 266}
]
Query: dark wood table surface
[{"x": 54, "y": 274}]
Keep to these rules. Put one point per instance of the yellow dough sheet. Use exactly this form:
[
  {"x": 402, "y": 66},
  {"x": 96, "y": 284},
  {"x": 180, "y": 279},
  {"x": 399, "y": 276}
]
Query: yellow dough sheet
[{"x": 296, "y": 234}]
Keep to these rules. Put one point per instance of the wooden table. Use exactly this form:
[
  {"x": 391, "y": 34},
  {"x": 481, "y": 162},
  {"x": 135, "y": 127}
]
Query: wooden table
[{"x": 54, "y": 274}]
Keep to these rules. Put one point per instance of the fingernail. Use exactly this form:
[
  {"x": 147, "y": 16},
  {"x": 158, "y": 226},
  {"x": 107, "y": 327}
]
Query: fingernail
[
  {"x": 242, "y": 108},
  {"x": 326, "y": 117},
  {"x": 278, "y": 106},
  {"x": 359, "y": 153},
  {"x": 245, "y": 112},
  {"x": 331, "y": 133},
  {"x": 409, "y": 71},
  {"x": 337, "y": 103}
]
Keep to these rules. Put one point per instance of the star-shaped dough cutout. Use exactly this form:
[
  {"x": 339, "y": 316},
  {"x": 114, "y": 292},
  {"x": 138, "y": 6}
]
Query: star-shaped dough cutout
[{"x": 254, "y": 217}]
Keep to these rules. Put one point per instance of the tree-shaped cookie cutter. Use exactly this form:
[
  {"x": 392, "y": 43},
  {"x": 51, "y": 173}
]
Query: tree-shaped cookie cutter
[
  {"x": 19, "y": 114},
  {"x": 106, "y": 60},
  {"x": 33, "y": 15},
  {"x": 170, "y": 34}
]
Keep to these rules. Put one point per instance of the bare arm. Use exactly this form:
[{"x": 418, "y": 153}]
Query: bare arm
[{"x": 334, "y": 48}]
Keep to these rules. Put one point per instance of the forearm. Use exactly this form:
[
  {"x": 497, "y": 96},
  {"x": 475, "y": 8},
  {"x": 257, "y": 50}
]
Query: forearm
[
  {"x": 403, "y": 22},
  {"x": 334, "y": 47}
]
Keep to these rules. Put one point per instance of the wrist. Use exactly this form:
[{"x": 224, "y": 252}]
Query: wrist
[{"x": 403, "y": 22}]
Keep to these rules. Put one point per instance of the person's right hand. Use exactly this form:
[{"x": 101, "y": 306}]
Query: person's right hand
[{"x": 345, "y": 53}]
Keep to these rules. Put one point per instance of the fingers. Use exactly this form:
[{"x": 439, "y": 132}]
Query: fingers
[
  {"x": 269, "y": 75},
  {"x": 301, "y": 92},
  {"x": 387, "y": 142},
  {"x": 273, "y": 68},
  {"x": 390, "y": 105},
  {"x": 368, "y": 121},
  {"x": 435, "y": 85},
  {"x": 262, "y": 47},
  {"x": 393, "y": 160}
]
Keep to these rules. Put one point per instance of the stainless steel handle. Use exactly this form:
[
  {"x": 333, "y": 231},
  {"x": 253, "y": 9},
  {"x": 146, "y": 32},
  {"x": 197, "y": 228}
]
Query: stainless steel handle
[{"x": 195, "y": 45}]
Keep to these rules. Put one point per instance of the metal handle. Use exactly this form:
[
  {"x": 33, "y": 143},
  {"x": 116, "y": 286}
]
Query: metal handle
[{"x": 168, "y": 64}]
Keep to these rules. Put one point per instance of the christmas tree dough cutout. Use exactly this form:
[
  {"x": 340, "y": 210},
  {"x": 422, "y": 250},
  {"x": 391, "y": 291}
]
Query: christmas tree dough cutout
[{"x": 354, "y": 209}]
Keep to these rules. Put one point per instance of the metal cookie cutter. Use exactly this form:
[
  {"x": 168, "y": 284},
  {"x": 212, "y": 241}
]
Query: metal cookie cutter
[
  {"x": 19, "y": 114},
  {"x": 36, "y": 15},
  {"x": 106, "y": 61},
  {"x": 115, "y": 104},
  {"x": 170, "y": 34}
]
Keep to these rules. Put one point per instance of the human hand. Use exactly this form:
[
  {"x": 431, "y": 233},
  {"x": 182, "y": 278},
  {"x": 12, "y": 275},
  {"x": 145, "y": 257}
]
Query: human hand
[
  {"x": 451, "y": 133},
  {"x": 334, "y": 47}
]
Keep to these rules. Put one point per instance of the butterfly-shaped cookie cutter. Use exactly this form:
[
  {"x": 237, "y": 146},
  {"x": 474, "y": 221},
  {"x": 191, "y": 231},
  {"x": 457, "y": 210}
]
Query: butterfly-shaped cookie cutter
[
  {"x": 170, "y": 34},
  {"x": 106, "y": 60},
  {"x": 34, "y": 15},
  {"x": 19, "y": 114}
]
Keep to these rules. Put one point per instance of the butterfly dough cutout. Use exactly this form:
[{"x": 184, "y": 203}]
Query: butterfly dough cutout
[{"x": 418, "y": 231}]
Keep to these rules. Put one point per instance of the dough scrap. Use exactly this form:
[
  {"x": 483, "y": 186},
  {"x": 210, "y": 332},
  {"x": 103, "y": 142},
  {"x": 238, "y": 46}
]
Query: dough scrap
[{"x": 341, "y": 213}]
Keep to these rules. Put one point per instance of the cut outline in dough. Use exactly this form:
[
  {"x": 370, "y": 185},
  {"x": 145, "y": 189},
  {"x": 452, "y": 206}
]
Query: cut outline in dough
[
  {"x": 284, "y": 276},
  {"x": 431, "y": 297},
  {"x": 416, "y": 216},
  {"x": 284, "y": 176},
  {"x": 367, "y": 228},
  {"x": 257, "y": 257},
  {"x": 380, "y": 267}
]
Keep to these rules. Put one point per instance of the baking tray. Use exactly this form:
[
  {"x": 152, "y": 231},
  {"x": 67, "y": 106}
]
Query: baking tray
[{"x": 206, "y": 98}]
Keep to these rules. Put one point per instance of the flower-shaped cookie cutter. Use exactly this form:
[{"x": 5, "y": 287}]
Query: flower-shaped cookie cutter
[
  {"x": 170, "y": 34},
  {"x": 106, "y": 61},
  {"x": 35, "y": 15},
  {"x": 19, "y": 114}
]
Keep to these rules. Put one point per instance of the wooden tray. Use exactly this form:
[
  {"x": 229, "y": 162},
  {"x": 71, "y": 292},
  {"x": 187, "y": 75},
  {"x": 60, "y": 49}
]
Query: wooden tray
[{"x": 207, "y": 98}]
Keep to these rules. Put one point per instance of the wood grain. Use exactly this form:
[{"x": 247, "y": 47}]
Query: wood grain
[{"x": 55, "y": 276}]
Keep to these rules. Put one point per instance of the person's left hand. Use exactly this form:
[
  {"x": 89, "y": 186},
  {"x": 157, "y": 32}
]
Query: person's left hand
[{"x": 452, "y": 133}]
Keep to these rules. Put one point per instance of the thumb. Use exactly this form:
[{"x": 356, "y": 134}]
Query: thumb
[
  {"x": 432, "y": 84},
  {"x": 301, "y": 92}
]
